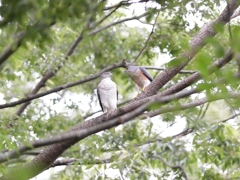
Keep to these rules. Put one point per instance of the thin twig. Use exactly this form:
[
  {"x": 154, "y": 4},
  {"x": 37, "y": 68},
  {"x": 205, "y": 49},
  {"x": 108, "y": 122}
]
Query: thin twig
[
  {"x": 162, "y": 69},
  {"x": 90, "y": 114},
  {"x": 117, "y": 22},
  {"x": 229, "y": 24},
  {"x": 183, "y": 133},
  {"x": 233, "y": 116},
  {"x": 148, "y": 39},
  {"x": 66, "y": 162},
  {"x": 8, "y": 51},
  {"x": 124, "y": 3},
  {"x": 205, "y": 110},
  {"x": 105, "y": 17}
]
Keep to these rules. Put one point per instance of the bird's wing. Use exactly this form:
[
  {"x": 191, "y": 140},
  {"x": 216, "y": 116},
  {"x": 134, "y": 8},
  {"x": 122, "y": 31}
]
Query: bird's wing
[
  {"x": 99, "y": 98},
  {"x": 117, "y": 93},
  {"x": 146, "y": 73}
]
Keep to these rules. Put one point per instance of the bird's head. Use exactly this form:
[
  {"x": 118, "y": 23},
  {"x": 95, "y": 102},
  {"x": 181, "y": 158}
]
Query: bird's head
[
  {"x": 131, "y": 69},
  {"x": 106, "y": 75}
]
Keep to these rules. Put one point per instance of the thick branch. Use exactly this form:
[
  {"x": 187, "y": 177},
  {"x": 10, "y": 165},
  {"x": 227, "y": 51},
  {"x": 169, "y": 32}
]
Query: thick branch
[
  {"x": 188, "y": 81},
  {"x": 74, "y": 135},
  {"x": 195, "y": 45}
]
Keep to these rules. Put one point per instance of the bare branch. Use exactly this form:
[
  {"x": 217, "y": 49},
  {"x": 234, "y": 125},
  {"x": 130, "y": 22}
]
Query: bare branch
[
  {"x": 232, "y": 117},
  {"x": 67, "y": 162},
  {"x": 162, "y": 69},
  {"x": 124, "y": 3},
  {"x": 205, "y": 110},
  {"x": 172, "y": 166},
  {"x": 105, "y": 17},
  {"x": 58, "y": 88},
  {"x": 90, "y": 114},
  {"x": 115, "y": 23},
  {"x": 148, "y": 39}
]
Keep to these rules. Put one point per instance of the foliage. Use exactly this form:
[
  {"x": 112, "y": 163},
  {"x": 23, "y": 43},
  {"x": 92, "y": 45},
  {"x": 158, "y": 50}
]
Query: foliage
[{"x": 128, "y": 151}]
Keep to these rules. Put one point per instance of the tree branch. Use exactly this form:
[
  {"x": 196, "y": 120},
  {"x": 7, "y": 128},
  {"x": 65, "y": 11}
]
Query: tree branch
[
  {"x": 124, "y": 3},
  {"x": 184, "y": 58},
  {"x": 66, "y": 162},
  {"x": 74, "y": 134},
  {"x": 172, "y": 166},
  {"x": 162, "y": 69},
  {"x": 148, "y": 39},
  {"x": 77, "y": 133},
  {"x": 12, "y": 48},
  {"x": 117, "y": 22},
  {"x": 196, "y": 76},
  {"x": 188, "y": 105},
  {"x": 188, "y": 81},
  {"x": 231, "y": 117},
  {"x": 8, "y": 51},
  {"x": 59, "y": 88},
  {"x": 105, "y": 17},
  {"x": 49, "y": 74}
]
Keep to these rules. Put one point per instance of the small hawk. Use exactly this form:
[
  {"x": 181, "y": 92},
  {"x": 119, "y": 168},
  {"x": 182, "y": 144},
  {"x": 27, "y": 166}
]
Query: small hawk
[
  {"x": 139, "y": 75},
  {"x": 107, "y": 93}
]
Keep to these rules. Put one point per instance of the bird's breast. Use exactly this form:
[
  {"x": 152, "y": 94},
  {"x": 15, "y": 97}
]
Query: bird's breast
[{"x": 139, "y": 78}]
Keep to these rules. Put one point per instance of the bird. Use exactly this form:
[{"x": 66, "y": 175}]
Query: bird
[
  {"x": 139, "y": 75},
  {"x": 107, "y": 93}
]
